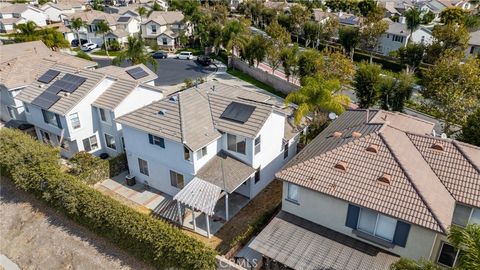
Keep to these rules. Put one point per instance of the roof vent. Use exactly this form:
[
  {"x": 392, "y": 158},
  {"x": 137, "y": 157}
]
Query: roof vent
[
  {"x": 356, "y": 134},
  {"x": 437, "y": 146},
  {"x": 385, "y": 179},
  {"x": 372, "y": 148},
  {"x": 162, "y": 112},
  {"x": 173, "y": 99},
  {"x": 337, "y": 134},
  {"x": 342, "y": 165}
]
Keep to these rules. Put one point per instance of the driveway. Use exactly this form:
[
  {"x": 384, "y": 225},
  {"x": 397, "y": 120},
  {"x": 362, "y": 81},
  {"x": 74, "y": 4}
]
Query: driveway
[
  {"x": 171, "y": 71},
  {"x": 35, "y": 236}
]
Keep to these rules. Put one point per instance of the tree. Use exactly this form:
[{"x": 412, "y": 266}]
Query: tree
[
  {"x": 309, "y": 62},
  {"x": 103, "y": 29},
  {"x": 336, "y": 65},
  {"x": 27, "y": 29},
  {"x": 452, "y": 89},
  {"x": 370, "y": 35},
  {"x": 215, "y": 36},
  {"x": 449, "y": 37},
  {"x": 327, "y": 29},
  {"x": 279, "y": 33},
  {"x": 349, "y": 38},
  {"x": 136, "y": 53},
  {"x": 453, "y": 15},
  {"x": 256, "y": 49},
  {"x": 76, "y": 24},
  {"x": 298, "y": 16},
  {"x": 408, "y": 264},
  {"x": 97, "y": 5},
  {"x": 311, "y": 31},
  {"x": 413, "y": 17},
  {"x": 273, "y": 56},
  {"x": 411, "y": 55},
  {"x": 234, "y": 36},
  {"x": 317, "y": 96},
  {"x": 428, "y": 17},
  {"x": 49, "y": 36},
  {"x": 289, "y": 58},
  {"x": 366, "y": 7},
  {"x": 366, "y": 82},
  {"x": 471, "y": 129},
  {"x": 468, "y": 241},
  {"x": 395, "y": 90},
  {"x": 156, "y": 6}
]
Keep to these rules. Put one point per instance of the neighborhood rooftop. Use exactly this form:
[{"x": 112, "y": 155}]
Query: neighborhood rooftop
[
  {"x": 166, "y": 17},
  {"x": 122, "y": 72}
]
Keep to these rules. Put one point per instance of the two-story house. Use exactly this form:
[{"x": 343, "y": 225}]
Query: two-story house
[
  {"x": 165, "y": 27},
  {"x": 373, "y": 186},
  {"x": 76, "y": 108},
  {"x": 57, "y": 12},
  {"x": 21, "y": 64},
  {"x": 15, "y": 14},
  {"x": 228, "y": 138},
  {"x": 394, "y": 38}
]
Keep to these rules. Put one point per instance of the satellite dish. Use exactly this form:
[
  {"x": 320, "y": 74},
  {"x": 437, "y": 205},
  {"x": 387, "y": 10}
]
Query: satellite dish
[
  {"x": 443, "y": 136},
  {"x": 332, "y": 116}
]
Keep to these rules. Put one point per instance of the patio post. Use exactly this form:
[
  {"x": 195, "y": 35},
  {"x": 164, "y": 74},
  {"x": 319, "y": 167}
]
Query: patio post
[
  {"x": 194, "y": 221},
  {"x": 179, "y": 213},
  {"x": 226, "y": 206},
  {"x": 208, "y": 225}
]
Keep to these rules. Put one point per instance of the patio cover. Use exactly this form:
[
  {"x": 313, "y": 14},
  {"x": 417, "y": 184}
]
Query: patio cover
[
  {"x": 302, "y": 244},
  {"x": 225, "y": 171},
  {"x": 199, "y": 195}
]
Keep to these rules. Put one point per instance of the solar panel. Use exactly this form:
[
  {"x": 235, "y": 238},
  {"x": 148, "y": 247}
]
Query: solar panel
[
  {"x": 238, "y": 112},
  {"x": 71, "y": 82},
  {"x": 137, "y": 73},
  {"x": 48, "y": 76},
  {"x": 123, "y": 19},
  {"x": 45, "y": 100}
]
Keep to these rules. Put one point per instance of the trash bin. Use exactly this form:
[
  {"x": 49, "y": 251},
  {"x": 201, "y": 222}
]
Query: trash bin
[{"x": 130, "y": 180}]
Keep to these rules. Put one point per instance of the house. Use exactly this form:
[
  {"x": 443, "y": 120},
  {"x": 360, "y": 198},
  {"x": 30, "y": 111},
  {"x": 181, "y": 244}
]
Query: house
[
  {"x": 165, "y": 27},
  {"x": 15, "y": 14},
  {"x": 348, "y": 19},
  {"x": 21, "y": 64},
  {"x": 122, "y": 26},
  {"x": 372, "y": 187},
  {"x": 76, "y": 109},
  {"x": 209, "y": 141},
  {"x": 394, "y": 38},
  {"x": 434, "y": 6},
  {"x": 474, "y": 44},
  {"x": 57, "y": 12},
  {"x": 422, "y": 35}
]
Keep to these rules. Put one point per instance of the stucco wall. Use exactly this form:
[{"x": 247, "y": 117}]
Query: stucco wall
[{"x": 332, "y": 212}]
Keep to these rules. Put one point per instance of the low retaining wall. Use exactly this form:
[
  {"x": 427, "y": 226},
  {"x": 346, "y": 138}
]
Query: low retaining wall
[{"x": 263, "y": 76}]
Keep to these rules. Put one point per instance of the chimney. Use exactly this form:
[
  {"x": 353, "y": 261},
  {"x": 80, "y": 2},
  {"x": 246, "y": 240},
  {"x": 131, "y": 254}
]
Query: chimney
[
  {"x": 372, "y": 148},
  {"x": 385, "y": 179},
  {"x": 337, "y": 134},
  {"x": 342, "y": 165},
  {"x": 356, "y": 134},
  {"x": 437, "y": 146}
]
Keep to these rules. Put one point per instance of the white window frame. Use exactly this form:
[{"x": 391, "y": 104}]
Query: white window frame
[
  {"x": 71, "y": 116},
  {"x": 288, "y": 197},
  {"x": 376, "y": 225},
  {"x": 153, "y": 28},
  {"x": 440, "y": 252},
  {"x": 472, "y": 209},
  {"x": 106, "y": 141},
  {"x": 202, "y": 152},
  {"x": 141, "y": 168},
  {"x": 90, "y": 142}
]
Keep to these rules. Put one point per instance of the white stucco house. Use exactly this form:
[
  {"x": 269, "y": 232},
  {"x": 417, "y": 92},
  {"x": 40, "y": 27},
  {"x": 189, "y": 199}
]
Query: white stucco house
[
  {"x": 372, "y": 187},
  {"x": 76, "y": 109},
  {"x": 228, "y": 139},
  {"x": 422, "y": 35},
  {"x": 21, "y": 64},
  {"x": 57, "y": 12},
  {"x": 395, "y": 37},
  {"x": 165, "y": 28},
  {"x": 20, "y": 13}
]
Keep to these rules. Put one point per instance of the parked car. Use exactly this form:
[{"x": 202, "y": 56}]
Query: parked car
[
  {"x": 159, "y": 55},
  {"x": 88, "y": 46},
  {"x": 74, "y": 42},
  {"x": 204, "y": 60},
  {"x": 185, "y": 55}
]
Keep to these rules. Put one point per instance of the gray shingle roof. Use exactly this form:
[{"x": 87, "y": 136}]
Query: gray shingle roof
[
  {"x": 121, "y": 72},
  {"x": 115, "y": 94},
  {"x": 302, "y": 244}
]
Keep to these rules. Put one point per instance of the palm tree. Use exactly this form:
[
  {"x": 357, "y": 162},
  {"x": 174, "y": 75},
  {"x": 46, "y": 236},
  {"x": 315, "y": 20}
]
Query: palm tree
[
  {"x": 142, "y": 11},
  {"x": 76, "y": 24},
  {"x": 103, "y": 29},
  {"x": 234, "y": 36},
  {"x": 468, "y": 241},
  {"x": 136, "y": 53},
  {"x": 27, "y": 30},
  {"x": 414, "y": 18},
  {"x": 317, "y": 96}
]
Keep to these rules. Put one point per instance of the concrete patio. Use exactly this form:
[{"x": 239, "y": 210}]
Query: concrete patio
[{"x": 163, "y": 205}]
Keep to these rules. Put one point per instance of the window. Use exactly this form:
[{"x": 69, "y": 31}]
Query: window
[
  {"x": 448, "y": 255},
  {"x": 104, "y": 115},
  {"x": 75, "y": 120},
  {"x": 154, "y": 29},
  {"x": 63, "y": 143},
  {"x": 257, "y": 175},
  {"x": 51, "y": 118},
  {"x": 257, "y": 145},
  {"x": 27, "y": 109},
  {"x": 13, "y": 93},
  {"x": 376, "y": 224},
  {"x": 186, "y": 153},
  {"x": 285, "y": 150},
  {"x": 292, "y": 192},
  {"x": 143, "y": 166},
  {"x": 45, "y": 136},
  {"x": 176, "y": 180},
  {"x": 156, "y": 140},
  {"x": 11, "y": 112},
  {"x": 472, "y": 49},
  {"x": 164, "y": 41},
  {"x": 90, "y": 143},
  {"x": 236, "y": 144},
  {"x": 110, "y": 141},
  {"x": 462, "y": 215},
  {"x": 201, "y": 153}
]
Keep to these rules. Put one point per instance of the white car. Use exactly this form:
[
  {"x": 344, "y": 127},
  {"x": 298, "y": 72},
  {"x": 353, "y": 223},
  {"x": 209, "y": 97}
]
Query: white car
[
  {"x": 88, "y": 46},
  {"x": 185, "y": 55}
]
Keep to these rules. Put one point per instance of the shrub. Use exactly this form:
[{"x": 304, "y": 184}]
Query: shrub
[
  {"x": 89, "y": 168},
  {"x": 34, "y": 167},
  {"x": 83, "y": 55},
  {"x": 113, "y": 45},
  {"x": 118, "y": 164}
]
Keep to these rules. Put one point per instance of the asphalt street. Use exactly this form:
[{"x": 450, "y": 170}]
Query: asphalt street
[{"x": 171, "y": 71}]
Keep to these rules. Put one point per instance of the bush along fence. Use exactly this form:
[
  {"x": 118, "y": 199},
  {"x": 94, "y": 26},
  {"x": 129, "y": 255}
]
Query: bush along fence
[
  {"x": 118, "y": 164},
  {"x": 34, "y": 167}
]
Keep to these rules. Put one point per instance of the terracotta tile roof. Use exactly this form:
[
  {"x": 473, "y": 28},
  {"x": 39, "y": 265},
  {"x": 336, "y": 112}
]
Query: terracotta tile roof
[{"x": 302, "y": 244}]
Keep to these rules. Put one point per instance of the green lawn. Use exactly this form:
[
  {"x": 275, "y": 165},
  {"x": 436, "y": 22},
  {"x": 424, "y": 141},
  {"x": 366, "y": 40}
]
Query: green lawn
[
  {"x": 103, "y": 53},
  {"x": 257, "y": 83}
]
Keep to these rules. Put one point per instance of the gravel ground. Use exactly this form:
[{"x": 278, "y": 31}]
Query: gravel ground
[{"x": 35, "y": 236}]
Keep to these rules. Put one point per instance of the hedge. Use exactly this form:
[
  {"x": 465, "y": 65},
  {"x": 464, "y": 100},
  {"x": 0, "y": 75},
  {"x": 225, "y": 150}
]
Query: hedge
[
  {"x": 118, "y": 164},
  {"x": 89, "y": 168},
  {"x": 34, "y": 167}
]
